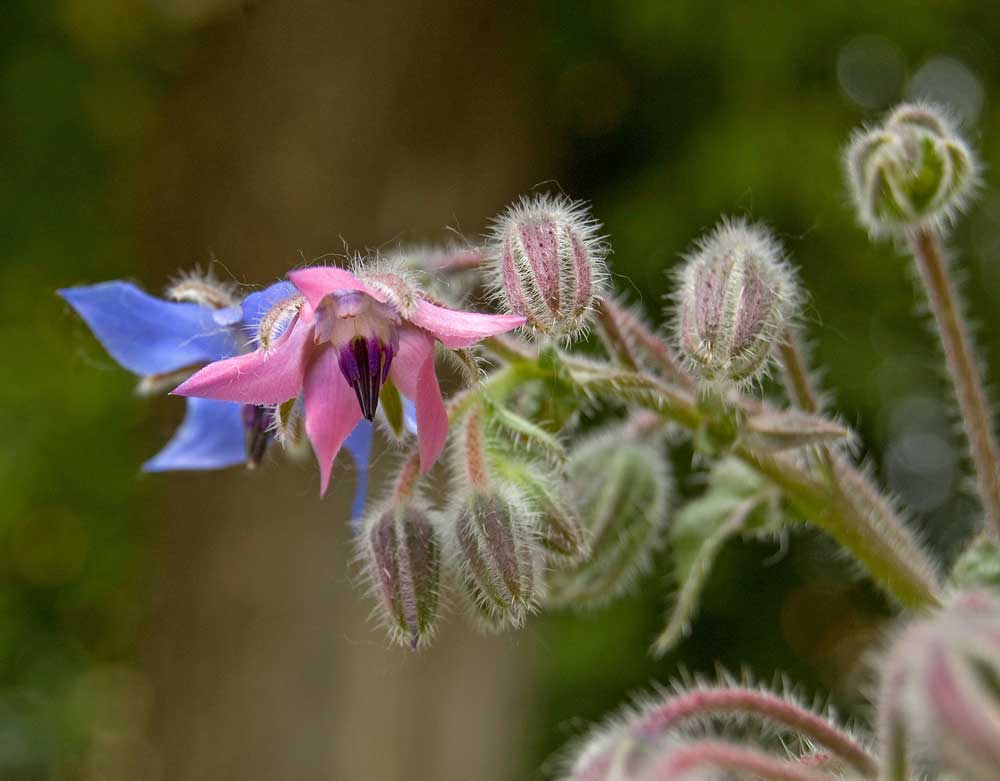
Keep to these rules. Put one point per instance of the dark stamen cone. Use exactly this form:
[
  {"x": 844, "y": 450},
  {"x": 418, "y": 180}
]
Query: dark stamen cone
[
  {"x": 365, "y": 364},
  {"x": 258, "y": 421}
]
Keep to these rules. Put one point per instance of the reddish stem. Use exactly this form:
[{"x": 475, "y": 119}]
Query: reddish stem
[
  {"x": 727, "y": 756},
  {"x": 965, "y": 375}
]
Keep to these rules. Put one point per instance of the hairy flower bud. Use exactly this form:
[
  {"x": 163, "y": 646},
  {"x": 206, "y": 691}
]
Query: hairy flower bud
[
  {"x": 548, "y": 264},
  {"x": 941, "y": 689},
  {"x": 498, "y": 554},
  {"x": 621, "y": 488},
  {"x": 736, "y": 295},
  {"x": 401, "y": 551},
  {"x": 912, "y": 171}
]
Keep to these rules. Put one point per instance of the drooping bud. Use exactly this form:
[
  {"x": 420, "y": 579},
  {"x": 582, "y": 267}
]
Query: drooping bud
[
  {"x": 621, "y": 487},
  {"x": 941, "y": 690},
  {"x": 258, "y": 421},
  {"x": 401, "y": 551},
  {"x": 365, "y": 334},
  {"x": 498, "y": 554},
  {"x": 548, "y": 264},
  {"x": 736, "y": 295},
  {"x": 912, "y": 171}
]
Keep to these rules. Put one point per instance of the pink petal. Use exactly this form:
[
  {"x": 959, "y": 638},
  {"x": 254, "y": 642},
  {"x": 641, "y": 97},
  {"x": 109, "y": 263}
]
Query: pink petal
[
  {"x": 413, "y": 373},
  {"x": 259, "y": 377},
  {"x": 457, "y": 329},
  {"x": 332, "y": 410},
  {"x": 316, "y": 282}
]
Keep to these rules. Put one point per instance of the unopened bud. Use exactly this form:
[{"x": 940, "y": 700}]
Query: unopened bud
[
  {"x": 621, "y": 488},
  {"x": 736, "y": 295},
  {"x": 912, "y": 171},
  {"x": 548, "y": 264},
  {"x": 499, "y": 555},
  {"x": 948, "y": 691},
  {"x": 401, "y": 551}
]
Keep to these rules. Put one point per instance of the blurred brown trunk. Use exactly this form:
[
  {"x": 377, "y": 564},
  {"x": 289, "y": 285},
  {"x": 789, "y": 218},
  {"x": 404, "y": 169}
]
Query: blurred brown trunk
[{"x": 302, "y": 125}]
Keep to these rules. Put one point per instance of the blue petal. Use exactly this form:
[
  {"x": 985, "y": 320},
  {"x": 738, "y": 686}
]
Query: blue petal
[
  {"x": 255, "y": 305},
  {"x": 147, "y": 335},
  {"x": 210, "y": 437},
  {"x": 409, "y": 415},
  {"x": 359, "y": 444}
]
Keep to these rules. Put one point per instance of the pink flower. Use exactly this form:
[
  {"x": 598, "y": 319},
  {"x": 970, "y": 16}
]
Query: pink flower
[{"x": 352, "y": 334}]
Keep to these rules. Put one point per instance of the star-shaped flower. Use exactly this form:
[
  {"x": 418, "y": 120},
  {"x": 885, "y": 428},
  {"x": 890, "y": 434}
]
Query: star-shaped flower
[
  {"x": 162, "y": 340},
  {"x": 352, "y": 334}
]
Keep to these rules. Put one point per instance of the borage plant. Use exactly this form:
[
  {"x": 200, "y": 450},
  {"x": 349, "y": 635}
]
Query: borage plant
[{"x": 547, "y": 507}]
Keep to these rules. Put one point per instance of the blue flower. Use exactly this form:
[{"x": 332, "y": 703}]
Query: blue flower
[{"x": 163, "y": 340}]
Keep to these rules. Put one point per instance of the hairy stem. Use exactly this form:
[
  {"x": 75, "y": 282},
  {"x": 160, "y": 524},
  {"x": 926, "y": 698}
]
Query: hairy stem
[
  {"x": 962, "y": 367},
  {"x": 708, "y": 754},
  {"x": 656, "y": 349},
  {"x": 765, "y": 705},
  {"x": 610, "y": 327},
  {"x": 796, "y": 371},
  {"x": 875, "y": 536}
]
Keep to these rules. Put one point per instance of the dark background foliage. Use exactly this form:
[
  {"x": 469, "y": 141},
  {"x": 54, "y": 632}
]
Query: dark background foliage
[{"x": 176, "y": 626}]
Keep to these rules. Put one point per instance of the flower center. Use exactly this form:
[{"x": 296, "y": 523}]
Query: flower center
[{"x": 365, "y": 334}]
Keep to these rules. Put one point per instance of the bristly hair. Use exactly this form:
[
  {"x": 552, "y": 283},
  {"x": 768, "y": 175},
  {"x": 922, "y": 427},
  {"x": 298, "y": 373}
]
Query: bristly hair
[
  {"x": 732, "y": 235},
  {"x": 578, "y": 221},
  {"x": 938, "y": 119},
  {"x": 202, "y": 287}
]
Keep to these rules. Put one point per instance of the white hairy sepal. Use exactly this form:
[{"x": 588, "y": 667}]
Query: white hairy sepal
[
  {"x": 276, "y": 320},
  {"x": 204, "y": 288},
  {"x": 391, "y": 279}
]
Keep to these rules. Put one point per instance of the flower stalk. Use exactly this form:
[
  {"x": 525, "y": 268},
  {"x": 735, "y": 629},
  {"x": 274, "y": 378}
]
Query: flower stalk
[{"x": 962, "y": 368}]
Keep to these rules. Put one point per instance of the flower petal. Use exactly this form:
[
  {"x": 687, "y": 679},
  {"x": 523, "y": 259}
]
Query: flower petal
[
  {"x": 256, "y": 305},
  {"x": 332, "y": 410},
  {"x": 359, "y": 444},
  {"x": 259, "y": 377},
  {"x": 148, "y": 335},
  {"x": 315, "y": 282},
  {"x": 410, "y": 416},
  {"x": 413, "y": 373},
  {"x": 211, "y": 436},
  {"x": 456, "y": 329}
]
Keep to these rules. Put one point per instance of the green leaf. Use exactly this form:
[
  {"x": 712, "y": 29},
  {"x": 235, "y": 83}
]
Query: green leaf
[
  {"x": 529, "y": 433},
  {"x": 737, "y": 501}
]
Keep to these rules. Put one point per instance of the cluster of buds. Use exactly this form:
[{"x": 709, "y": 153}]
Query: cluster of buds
[
  {"x": 736, "y": 296},
  {"x": 912, "y": 171},
  {"x": 548, "y": 264}
]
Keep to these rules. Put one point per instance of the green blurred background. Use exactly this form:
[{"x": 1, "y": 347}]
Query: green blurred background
[{"x": 194, "y": 626}]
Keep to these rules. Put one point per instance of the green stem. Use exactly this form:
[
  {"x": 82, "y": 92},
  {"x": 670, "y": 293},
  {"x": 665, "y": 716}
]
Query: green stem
[
  {"x": 962, "y": 367},
  {"x": 797, "y": 379},
  {"x": 887, "y": 550}
]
